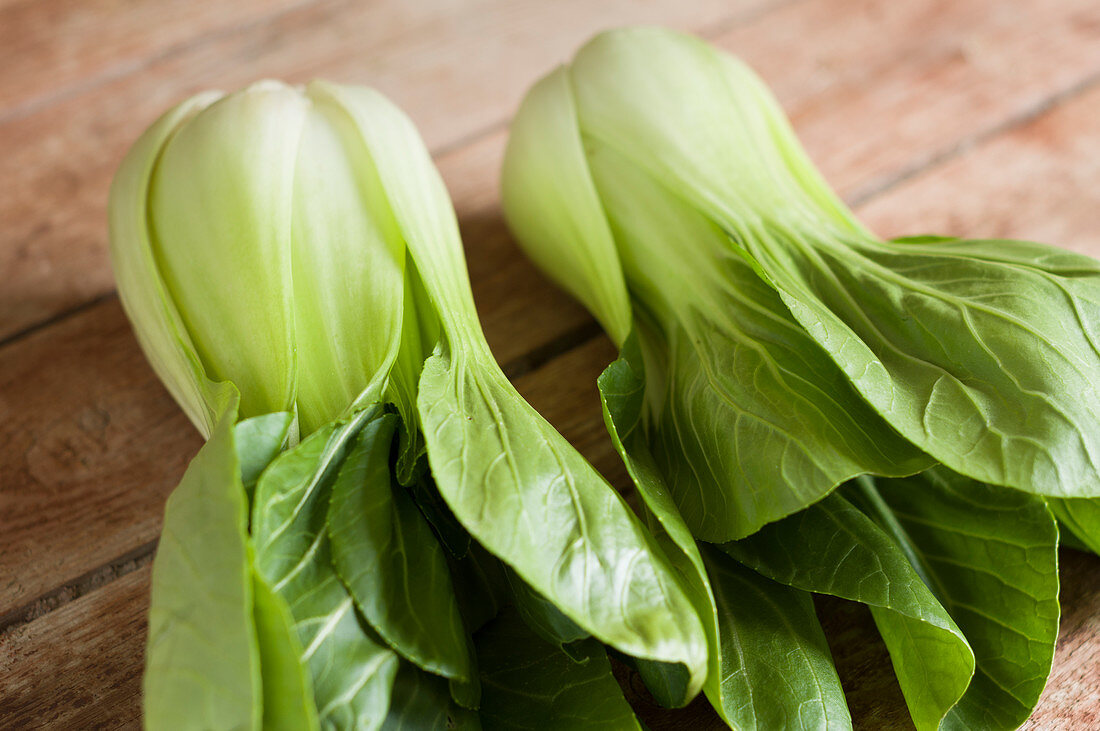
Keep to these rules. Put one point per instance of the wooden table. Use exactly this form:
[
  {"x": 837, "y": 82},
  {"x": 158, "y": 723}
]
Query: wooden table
[{"x": 966, "y": 117}]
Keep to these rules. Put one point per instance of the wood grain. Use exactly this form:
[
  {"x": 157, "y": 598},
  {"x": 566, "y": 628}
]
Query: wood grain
[
  {"x": 456, "y": 74},
  {"x": 80, "y": 666},
  {"x": 50, "y": 47},
  {"x": 1039, "y": 181}
]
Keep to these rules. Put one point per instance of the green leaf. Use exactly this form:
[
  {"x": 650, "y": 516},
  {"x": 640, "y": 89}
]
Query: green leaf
[
  {"x": 1081, "y": 516},
  {"x": 541, "y": 615},
  {"x": 990, "y": 555},
  {"x": 421, "y": 703},
  {"x": 621, "y": 387},
  {"x": 985, "y": 354},
  {"x": 287, "y": 691},
  {"x": 351, "y": 668},
  {"x": 833, "y": 548},
  {"x": 526, "y": 495},
  {"x": 202, "y": 667},
  {"x": 258, "y": 440},
  {"x": 389, "y": 559},
  {"x": 776, "y": 670},
  {"x": 748, "y": 419},
  {"x": 529, "y": 683}
]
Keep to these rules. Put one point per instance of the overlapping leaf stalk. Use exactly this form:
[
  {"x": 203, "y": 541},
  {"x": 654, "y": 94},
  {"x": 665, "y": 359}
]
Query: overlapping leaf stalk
[
  {"x": 892, "y": 422},
  {"x": 372, "y": 489}
]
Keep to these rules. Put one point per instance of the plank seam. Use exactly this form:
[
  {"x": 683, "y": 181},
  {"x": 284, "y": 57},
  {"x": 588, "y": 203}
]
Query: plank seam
[
  {"x": 96, "y": 578},
  {"x": 979, "y": 139},
  {"x": 56, "y": 318}
]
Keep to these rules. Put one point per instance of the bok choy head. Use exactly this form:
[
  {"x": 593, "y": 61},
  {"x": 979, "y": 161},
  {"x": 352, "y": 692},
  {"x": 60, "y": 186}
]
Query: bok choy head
[
  {"x": 785, "y": 348},
  {"x": 299, "y": 245}
]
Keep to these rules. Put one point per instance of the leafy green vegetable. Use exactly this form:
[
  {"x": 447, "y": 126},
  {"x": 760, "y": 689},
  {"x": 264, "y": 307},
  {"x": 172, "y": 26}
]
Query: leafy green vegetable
[
  {"x": 776, "y": 669},
  {"x": 773, "y": 349},
  {"x": 530, "y": 683},
  {"x": 755, "y": 628},
  {"x": 202, "y": 666},
  {"x": 833, "y": 548},
  {"x": 325, "y": 200},
  {"x": 982, "y": 354},
  {"x": 421, "y": 703},
  {"x": 990, "y": 556},
  {"x": 386, "y": 555},
  {"x": 351, "y": 668}
]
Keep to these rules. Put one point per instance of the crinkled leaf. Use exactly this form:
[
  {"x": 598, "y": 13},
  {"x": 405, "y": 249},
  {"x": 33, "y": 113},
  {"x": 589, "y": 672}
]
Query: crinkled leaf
[
  {"x": 202, "y": 667},
  {"x": 833, "y": 548},
  {"x": 352, "y": 670},
  {"x": 1081, "y": 516},
  {"x": 990, "y": 555},
  {"x": 529, "y": 683},
  {"x": 525, "y": 494},
  {"x": 985, "y": 354},
  {"x": 386, "y": 555},
  {"x": 748, "y": 419},
  {"x": 776, "y": 669}
]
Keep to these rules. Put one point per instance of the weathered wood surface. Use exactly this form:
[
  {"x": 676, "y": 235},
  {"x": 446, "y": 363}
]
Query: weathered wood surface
[{"x": 954, "y": 117}]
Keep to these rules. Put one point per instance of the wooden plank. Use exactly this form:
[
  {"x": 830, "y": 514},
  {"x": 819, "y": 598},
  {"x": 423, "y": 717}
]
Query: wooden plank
[
  {"x": 48, "y": 47},
  {"x": 93, "y": 446},
  {"x": 1039, "y": 182},
  {"x": 78, "y": 667},
  {"x": 454, "y": 74},
  {"x": 879, "y": 89}
]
